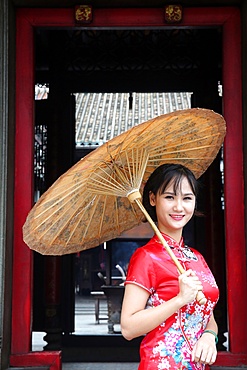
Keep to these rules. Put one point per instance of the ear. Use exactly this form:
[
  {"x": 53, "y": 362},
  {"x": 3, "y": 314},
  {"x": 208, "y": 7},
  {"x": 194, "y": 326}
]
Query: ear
[{"x": 152, "y": 199}]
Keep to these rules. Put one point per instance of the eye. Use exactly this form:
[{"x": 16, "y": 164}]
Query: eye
[
  {"x": 169, "y": 197},
  {"x": 188, "y": 197}
]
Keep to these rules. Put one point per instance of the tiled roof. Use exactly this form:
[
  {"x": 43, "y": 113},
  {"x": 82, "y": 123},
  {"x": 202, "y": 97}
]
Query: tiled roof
[{"x": 102, "y": 116}]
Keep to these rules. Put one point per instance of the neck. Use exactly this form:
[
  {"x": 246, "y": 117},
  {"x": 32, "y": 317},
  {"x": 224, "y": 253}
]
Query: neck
[{"x": 174, "y": 234}]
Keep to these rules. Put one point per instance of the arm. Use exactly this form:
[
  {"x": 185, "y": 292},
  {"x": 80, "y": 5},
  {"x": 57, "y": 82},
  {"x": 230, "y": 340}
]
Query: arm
[
  {"x": 212, "y": 325},
  {"x": 137, "y": 321},
  {"x": 205, "y": 350}
]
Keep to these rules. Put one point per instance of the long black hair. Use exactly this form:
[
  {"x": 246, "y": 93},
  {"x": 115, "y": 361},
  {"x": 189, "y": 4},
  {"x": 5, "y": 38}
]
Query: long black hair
[{"x": 161, "y": 178}]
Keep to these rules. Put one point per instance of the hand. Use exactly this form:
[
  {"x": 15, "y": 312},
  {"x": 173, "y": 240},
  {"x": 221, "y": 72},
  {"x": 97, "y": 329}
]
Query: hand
[
  {"x": 189, "y": 284},
  {"x": 205, "y": 352}
]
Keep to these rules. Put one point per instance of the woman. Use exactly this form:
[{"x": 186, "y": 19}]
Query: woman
[{"x": 180, "y": 333}]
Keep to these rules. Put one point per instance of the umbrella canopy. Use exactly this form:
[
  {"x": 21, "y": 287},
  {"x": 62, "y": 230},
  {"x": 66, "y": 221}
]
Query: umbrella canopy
[{"x": 92, "y": 202}]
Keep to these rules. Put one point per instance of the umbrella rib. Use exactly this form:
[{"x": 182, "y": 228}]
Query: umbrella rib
[
  {"x": 127, "y": 175},
  {"x": 191, "y": 142},
  {"x": 81, "y": 213},
  {"x": 143, "y": 139},
  {"x": 102, "y": 218},
  {"x": 120, "y": 151},
  {"x": 172, "y": 133},
  {"x": 115, "y": 166},
  {"x": 50, "y": 215},
  {"x": 138, "y": 168},
  {"x": 128, "y": 180},
  {"x": 64, "y": 212},
  {"x": 67, "y": 195},
  {"x": 183, "y": 150},
  {"x": 131, "y": 176},
  {"x": 149, "y": 123},
  {"x": 117, "y": 216},
  {"x": 142, "y": 168},
  {"x": 104, "y": 183},
  {"x": 89, "y": 221}
]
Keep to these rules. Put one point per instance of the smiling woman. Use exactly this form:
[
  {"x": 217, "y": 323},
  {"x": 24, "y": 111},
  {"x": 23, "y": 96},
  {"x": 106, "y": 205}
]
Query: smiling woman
[{"x": 178, "y": 329}]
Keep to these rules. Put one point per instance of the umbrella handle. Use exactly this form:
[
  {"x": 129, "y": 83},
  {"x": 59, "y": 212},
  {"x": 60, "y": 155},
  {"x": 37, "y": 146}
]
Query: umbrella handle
[{"x": 200, "y": 297}]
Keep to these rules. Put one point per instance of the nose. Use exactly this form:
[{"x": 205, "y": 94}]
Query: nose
[{"x": 178, "y": 206}]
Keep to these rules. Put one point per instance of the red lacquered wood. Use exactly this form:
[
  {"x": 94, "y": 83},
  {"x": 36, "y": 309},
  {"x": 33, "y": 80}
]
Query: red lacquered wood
[
  {"x": 234, "y": 185},
  {"x": 231, "y": 359},
  {"x": 22, "y": 259},
  {"x": 51, "y": 359},
  {"x": 128, "y": 17}
]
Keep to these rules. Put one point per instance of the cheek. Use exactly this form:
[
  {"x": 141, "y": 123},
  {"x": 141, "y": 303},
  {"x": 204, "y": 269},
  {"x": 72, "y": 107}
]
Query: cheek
[{"x": 191, "y": 209}]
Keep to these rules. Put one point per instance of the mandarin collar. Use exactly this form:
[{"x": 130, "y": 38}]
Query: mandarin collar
[
  {"x": 172, "y": 242},
  {"x": 186, "y": 254}
]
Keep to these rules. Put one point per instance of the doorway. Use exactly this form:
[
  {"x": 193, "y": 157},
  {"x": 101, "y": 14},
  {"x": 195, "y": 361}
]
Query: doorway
[
  {"x": 117, "y": 65},
  {"x": 27, "y": 26}
]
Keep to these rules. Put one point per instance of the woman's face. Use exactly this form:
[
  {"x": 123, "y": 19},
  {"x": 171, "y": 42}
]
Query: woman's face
[{"x": 174, "y": 210}]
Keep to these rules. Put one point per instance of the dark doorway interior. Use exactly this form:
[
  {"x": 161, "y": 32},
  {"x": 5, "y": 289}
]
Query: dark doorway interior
[{"x": 143, "y": 60}]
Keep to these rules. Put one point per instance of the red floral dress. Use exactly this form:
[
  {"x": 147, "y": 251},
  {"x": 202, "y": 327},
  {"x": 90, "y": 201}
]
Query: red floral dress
[{"x": 169, "y": 345}]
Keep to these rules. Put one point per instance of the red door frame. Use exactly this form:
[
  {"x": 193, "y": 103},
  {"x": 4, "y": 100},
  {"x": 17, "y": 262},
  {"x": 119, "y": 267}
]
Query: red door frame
[{"x": 229, "y": 19}]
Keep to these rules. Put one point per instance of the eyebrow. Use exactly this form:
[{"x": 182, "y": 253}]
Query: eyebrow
[{"x": 172, "y": 193}]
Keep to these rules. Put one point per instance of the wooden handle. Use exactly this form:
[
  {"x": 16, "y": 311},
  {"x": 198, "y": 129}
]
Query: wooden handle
[{"x": 200, "y": 297}]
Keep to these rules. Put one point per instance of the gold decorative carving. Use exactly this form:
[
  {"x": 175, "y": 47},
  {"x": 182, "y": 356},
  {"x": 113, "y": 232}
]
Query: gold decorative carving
[
  {"x": 173, "y": 13},
  {"x": 83, "y": 13}
]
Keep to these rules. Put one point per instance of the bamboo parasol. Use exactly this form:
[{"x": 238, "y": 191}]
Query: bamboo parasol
[{"x": 100, "y": 196}]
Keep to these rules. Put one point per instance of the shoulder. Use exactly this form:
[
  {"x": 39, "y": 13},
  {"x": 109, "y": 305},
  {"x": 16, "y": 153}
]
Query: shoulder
[
  {"x": 141, "y": 269},
  {"x": 147, "y": 250}
]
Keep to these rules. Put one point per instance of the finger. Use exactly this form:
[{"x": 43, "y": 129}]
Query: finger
[
  {"x": 196, "y": 353},
  {"x": 213, "y": 359},
  {"x": 193, "y": 354},
  {"x": 206, "y": 356}
]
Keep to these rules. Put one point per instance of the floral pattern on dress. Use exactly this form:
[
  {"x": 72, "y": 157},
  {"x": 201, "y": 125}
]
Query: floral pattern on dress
[
  {"x": 169, "y": 346},
  {"x": 207, "y": 279},
  {"x": 179, "y": 340}
]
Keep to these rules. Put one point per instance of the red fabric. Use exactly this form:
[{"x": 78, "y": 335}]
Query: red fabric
[{"x": 169, "y": 345}]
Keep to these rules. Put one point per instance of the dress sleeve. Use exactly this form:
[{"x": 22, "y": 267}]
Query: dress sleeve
[{"x": 141, "y": 270}]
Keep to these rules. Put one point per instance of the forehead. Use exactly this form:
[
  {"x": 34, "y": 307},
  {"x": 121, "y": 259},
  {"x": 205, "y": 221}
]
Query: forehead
[{"x": 182, "y": 186}]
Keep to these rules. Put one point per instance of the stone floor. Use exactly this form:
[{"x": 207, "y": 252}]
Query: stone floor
[
  {"x": 100, "y": 366},
  {"x": 85, "y": 323}
]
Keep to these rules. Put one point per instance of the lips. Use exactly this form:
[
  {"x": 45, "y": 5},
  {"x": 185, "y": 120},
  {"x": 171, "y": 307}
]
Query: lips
[{"x": 177, "y": 217}]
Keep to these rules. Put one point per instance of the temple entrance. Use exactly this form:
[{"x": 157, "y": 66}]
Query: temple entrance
[
  {"x": 92, "y": 79},
  {"x": 66, "y": 64}
]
